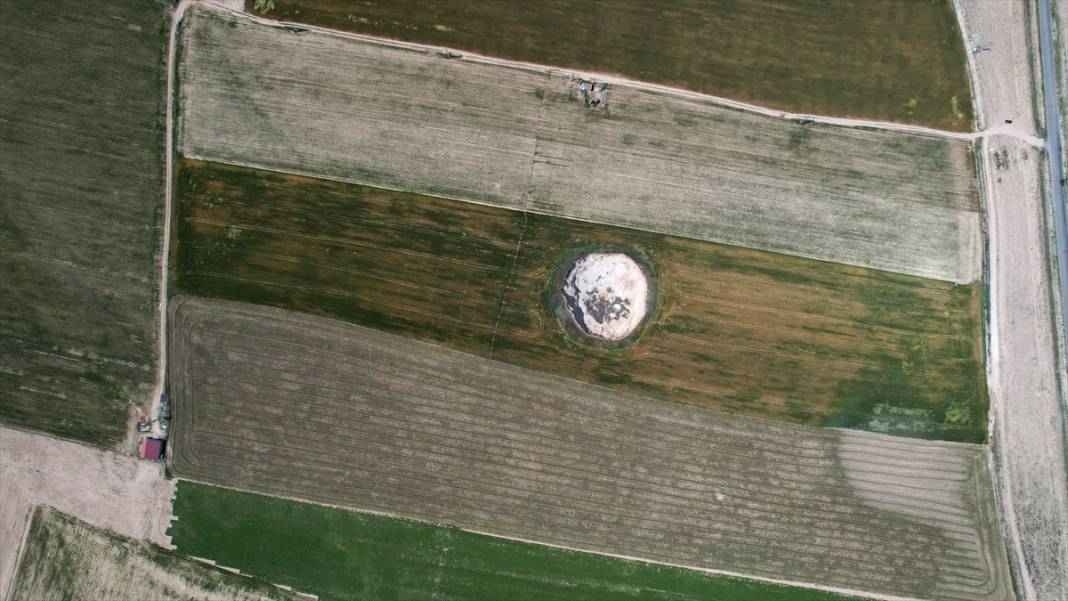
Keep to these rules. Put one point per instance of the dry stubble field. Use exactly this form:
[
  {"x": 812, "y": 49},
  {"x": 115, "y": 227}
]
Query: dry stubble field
[
  {"x": 80, "y": 161},
  {"x": 852, "y": 58},
  {"x": 311, "y": 408},
  {"x": 741, "y": 330},
  {"x": 65, "y": 558},
  {"x": 328, "y": 106}
]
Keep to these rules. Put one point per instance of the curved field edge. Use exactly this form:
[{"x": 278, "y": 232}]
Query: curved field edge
[
  {"x": 740, "y": 330},
  {"x": 340, "y": 554},
  {"x": 390, "y": 425},
  {"x": 875, "y": 60},
  {"x": 81, "y": 108},
  {"x": 65, "y": 558},
  {"x": 326, "y": 105}
]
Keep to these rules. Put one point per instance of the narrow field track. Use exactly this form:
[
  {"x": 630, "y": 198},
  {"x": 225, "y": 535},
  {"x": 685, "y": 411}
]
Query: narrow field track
[
  {"x": 81, "y": 110},
  {"x": 310, "y": 408}
]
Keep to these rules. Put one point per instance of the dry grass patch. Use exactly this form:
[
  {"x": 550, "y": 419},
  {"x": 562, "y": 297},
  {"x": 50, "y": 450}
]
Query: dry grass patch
[{"x": 65, "y": 558}]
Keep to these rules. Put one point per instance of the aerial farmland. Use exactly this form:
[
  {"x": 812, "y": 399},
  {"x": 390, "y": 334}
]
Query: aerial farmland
[
  {"x": 519, "y": 138},
  {"x": 444, "y": 437},
  {"x": 691, "y": 300},
  {"x": 81, "y": 164}
]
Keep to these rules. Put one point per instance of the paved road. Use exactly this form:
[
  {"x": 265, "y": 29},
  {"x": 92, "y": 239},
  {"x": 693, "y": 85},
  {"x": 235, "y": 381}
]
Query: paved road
[{"x": 1053, "y": 149}]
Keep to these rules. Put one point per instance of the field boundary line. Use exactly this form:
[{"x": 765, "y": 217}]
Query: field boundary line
[
  {"x": 465, "y": 56},
  {"x": 711, "y": 571},
  {"x": 522, "y": 230},
  {"x": 168, "y": 177},
  {"x": 508, "y": 282}
]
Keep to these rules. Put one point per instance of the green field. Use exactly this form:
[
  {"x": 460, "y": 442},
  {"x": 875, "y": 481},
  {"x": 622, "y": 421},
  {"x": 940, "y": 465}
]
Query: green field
[
  {"x": 81, "y": 145},
  {"x": 896, "y": 61},
  {"x": 735, "y": 329},
  {"x": 338, "y": 554}
]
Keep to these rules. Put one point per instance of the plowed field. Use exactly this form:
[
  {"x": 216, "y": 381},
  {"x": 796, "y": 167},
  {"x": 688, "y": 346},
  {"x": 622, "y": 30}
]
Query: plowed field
[
  {"x": 81, "y": 109},
  {"x": 301, "y": 406},
  {"x": 741, "y": 330},
  {"x": 855, "y": 58}
]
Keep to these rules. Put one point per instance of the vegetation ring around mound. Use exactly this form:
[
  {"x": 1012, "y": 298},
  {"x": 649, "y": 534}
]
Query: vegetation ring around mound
[{"x": 575, "y": 305}]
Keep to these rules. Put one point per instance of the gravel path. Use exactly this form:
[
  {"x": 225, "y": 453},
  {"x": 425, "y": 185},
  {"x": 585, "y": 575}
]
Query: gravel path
[{"x": 1027, "y": 433}]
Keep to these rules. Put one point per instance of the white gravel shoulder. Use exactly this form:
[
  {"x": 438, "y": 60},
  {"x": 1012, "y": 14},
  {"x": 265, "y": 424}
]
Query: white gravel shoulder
[
  {"x": 1027, "y": 425},
  {"x": 105, "y": 489},
  {"x": 1002, "y": 74}
]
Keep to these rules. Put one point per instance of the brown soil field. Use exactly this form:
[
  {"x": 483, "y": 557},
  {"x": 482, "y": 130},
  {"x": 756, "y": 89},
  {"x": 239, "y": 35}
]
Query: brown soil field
[
  {"x": 735, "y": 329},
  {"x": 81, "y": 109},
  {"x": 335, "y": 107},
  {"x": 65, "y": 558},
  {"x": 891, "y": 61},
  {"x": 316, "y": 409}
]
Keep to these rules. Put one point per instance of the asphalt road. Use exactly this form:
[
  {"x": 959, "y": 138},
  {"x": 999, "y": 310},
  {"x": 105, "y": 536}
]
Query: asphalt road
[{"x": 1053, "y": 148}]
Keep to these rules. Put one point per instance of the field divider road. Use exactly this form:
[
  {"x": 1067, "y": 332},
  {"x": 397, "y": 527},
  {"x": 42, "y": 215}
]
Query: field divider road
[
  {"x": 1009, "y": 130},
  {"x": 168, "y": 185}
]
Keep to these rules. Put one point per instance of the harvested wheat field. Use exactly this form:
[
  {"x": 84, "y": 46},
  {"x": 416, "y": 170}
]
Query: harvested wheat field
[
  {"x": 81, "y": 109},
  {"x": 854, "y": 58},
  {"x": 735, "y": 329},
  {"x": 345, "y": 109},
  {"x": 300, "y": 406},
  {"x": 64, "y": 558}
]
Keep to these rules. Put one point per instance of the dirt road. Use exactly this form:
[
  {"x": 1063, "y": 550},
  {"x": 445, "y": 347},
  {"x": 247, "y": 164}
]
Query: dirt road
[{"x": 1027, "y": 425}]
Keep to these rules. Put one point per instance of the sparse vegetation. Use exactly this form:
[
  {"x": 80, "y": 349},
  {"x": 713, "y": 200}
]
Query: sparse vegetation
[{"x": 65, "y": 558}]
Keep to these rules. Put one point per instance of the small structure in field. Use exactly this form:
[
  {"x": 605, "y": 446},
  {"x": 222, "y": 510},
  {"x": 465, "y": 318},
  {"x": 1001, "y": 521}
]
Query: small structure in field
[
  {"x": 594, "y": 93},
  {"x": 606, "y": 294},
  {"x": 144, "y": 426},
  {"x": 153, "y": 449}
]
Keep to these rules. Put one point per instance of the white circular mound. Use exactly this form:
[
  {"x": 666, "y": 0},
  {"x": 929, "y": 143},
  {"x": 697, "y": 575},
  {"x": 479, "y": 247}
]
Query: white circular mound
[{"x": 606, "y": 294}]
